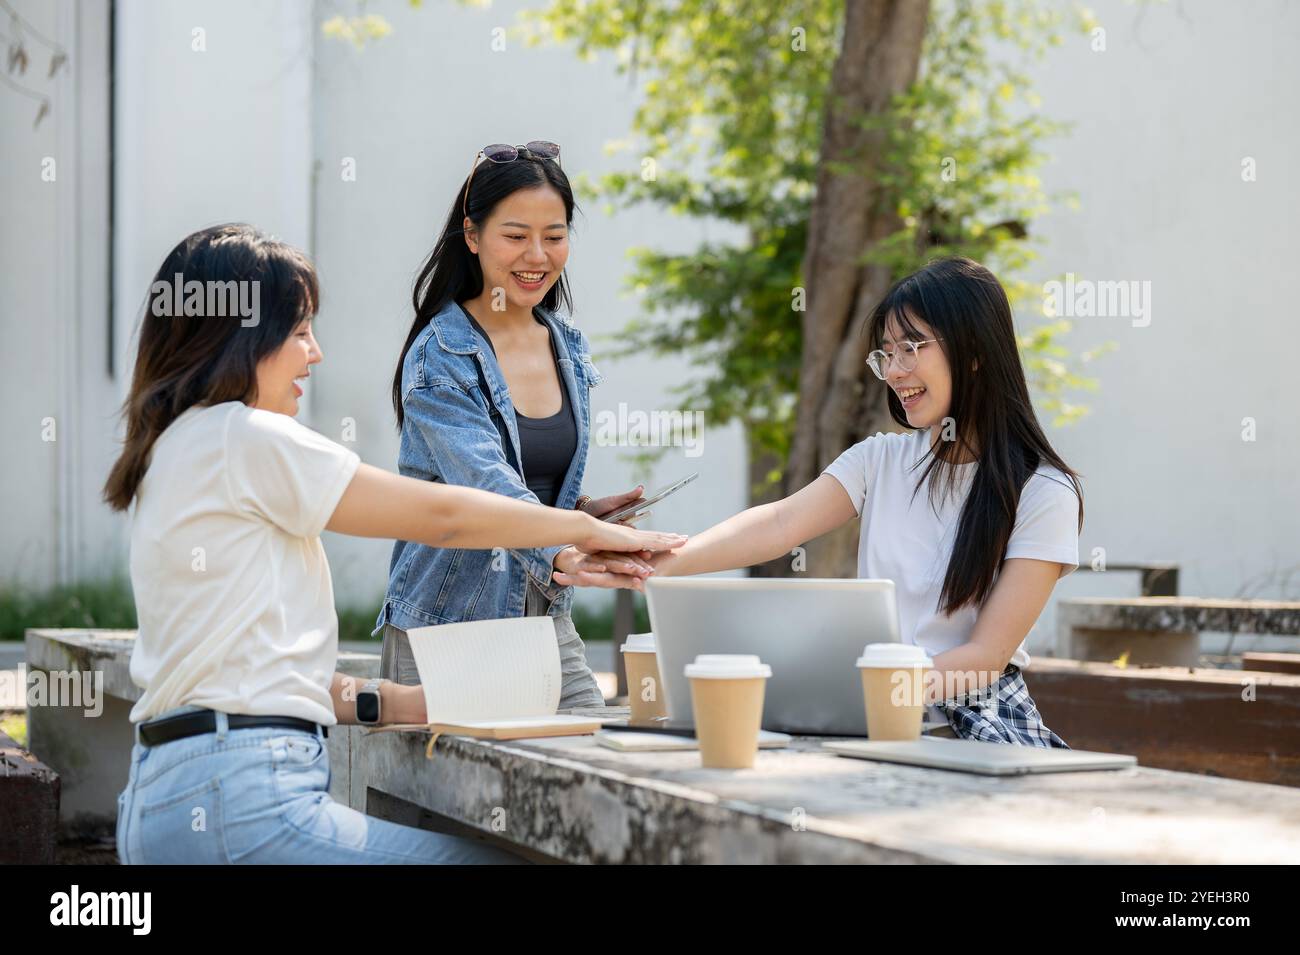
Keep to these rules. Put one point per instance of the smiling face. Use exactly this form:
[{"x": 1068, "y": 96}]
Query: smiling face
[
  {"x": 926, "y": 391},
  {"x": 523, "y": 245},
  {"x": 278, "y": 374}
]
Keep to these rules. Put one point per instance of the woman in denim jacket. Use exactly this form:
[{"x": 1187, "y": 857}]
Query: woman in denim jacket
[{"x": 492, "y": 392}]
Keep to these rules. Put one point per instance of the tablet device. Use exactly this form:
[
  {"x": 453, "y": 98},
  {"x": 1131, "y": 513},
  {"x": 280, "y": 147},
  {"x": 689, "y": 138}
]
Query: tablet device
[
  {"x": 976, "y": 756},
  {"x": 645, "y": 503}
]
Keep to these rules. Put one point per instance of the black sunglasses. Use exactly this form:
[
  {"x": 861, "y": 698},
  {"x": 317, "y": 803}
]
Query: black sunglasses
[{"x": 503, "y": 153}]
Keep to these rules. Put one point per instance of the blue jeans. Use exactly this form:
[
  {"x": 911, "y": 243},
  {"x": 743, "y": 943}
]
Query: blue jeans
[{"x": 259, "y": 796}]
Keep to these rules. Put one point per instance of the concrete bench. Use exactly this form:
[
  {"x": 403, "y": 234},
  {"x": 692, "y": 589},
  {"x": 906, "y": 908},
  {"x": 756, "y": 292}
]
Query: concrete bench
[
  {"x": 1163, "y": 631},
  {"x": 570, "y": 799},
  {"x": 29, "y": 807},
  {"x": 1157, "y": 578},
  {"x": 90, "y": 747},
  {"x": 1235, "y": 723}
]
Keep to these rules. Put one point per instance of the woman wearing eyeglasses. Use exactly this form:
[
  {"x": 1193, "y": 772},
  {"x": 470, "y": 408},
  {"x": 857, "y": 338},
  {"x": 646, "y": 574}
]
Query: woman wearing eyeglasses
[
  {"x": 491, "y": 391},
  {"x": 971, "y": 513}
]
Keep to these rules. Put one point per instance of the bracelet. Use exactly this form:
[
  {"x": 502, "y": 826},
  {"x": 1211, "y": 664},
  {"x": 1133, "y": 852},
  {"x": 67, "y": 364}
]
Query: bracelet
[{"x": 582, "y": 503}]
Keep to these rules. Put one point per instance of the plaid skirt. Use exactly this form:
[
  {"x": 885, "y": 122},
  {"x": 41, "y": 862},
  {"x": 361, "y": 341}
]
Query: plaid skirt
[{"x": 1002, "y": 712}]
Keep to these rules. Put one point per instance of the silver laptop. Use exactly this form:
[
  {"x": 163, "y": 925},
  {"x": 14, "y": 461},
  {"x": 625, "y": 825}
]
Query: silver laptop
[
  {"x": 974, "y": 756},
  {"x": 810, "y": 632}
]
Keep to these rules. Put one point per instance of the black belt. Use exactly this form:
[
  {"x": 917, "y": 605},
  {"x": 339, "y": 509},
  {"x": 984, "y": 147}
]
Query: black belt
[{"x": 168, "y": 728}]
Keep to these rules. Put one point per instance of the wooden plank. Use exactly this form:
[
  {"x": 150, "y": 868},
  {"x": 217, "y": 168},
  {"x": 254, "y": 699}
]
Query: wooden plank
[
  {"x": 29, "y": 807},
  {"x": 1271, "y": 662},
  {"x": 1234, "y": 723}
]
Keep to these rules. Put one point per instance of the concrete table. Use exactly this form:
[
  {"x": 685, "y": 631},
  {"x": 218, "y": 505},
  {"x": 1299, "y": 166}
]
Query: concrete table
[{"x": 570, "y": 799}]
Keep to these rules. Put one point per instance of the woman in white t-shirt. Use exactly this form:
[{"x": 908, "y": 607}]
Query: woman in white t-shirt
[
  {"x": 238, "y": 636},
  {"x": 971, "y": 514}
]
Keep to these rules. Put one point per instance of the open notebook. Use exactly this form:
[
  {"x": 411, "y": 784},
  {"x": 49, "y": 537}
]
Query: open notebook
[{"x": 493, "y": 679}]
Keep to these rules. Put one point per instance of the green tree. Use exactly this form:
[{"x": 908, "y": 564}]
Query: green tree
[{"x": 847, "y": 145}]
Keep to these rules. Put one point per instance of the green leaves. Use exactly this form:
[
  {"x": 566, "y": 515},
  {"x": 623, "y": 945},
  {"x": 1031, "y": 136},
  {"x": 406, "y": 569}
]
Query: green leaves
[
  {"x": 358, "y": 30},
  {"x": 734, "y": 97}
]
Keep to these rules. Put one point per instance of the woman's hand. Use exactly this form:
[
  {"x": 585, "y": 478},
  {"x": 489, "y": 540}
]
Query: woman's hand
[
  {"x": 600, "y": 535},
  {"x": 601, "y": 506},
  {"x": 623, "y": 556},
  {"x": 606, "y": 569}
]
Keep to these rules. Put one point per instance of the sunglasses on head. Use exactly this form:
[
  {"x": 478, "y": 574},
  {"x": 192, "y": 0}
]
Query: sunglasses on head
[{"x": 503, "y": 153}]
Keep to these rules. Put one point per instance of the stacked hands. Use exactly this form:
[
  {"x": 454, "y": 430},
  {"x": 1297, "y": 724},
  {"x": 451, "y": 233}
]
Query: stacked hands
[{"x": 614, "y": 555}]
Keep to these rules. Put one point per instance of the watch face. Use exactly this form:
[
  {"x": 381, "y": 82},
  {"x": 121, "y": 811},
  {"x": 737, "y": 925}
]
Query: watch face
[{"x": 368, "y": 707}]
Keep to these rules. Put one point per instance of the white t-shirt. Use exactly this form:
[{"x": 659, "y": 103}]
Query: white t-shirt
[
  {"x": 904, "y": 540},
  {"x": 232, "y": 588}
]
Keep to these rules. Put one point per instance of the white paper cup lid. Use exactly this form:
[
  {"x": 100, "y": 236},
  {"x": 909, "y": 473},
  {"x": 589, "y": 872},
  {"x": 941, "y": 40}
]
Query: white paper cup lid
[
  {"x": 639, "y": 643},
  {"x": 894, "y": 655},
  {"x": 727, "y": 666}
]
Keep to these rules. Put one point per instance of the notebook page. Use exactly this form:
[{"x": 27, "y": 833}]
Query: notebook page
[{"x": 487, "y": 670}]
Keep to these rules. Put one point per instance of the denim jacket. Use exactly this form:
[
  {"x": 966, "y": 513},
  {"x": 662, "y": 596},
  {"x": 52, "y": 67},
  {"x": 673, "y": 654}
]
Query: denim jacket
[{"x": 460, "y": 428}]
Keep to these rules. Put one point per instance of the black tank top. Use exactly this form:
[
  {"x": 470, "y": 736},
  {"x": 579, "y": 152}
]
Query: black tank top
[{"x": 546, "y": 445}]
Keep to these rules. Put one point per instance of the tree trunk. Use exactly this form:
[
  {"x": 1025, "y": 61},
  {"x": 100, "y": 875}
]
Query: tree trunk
[
  {"x": 761, "y": 465},
  {"x": 840, "y": 401}
]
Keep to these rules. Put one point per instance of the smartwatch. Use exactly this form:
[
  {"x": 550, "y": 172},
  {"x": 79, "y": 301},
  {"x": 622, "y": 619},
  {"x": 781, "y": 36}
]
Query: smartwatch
[{"x": 368, "y": 711}]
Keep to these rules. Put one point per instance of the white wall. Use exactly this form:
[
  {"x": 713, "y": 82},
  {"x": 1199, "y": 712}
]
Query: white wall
[
  {"x": 1163, "y": 119},
  {"x": 207, "y": 137},
  {"x": 54, "y": 314},
  {"x": 201, "y": 137}
]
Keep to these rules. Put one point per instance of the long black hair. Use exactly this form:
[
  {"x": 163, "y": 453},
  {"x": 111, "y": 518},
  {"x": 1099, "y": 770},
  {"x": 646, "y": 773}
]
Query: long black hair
[
  {"x": 967, "y": 309},
  {"x": 187, "y": 358},
  {"x": 452, "y": 273}
]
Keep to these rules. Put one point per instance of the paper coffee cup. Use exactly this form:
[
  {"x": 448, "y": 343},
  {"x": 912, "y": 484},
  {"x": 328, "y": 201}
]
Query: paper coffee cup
[
  {"x": 893, "y": 689},
  {"x": 645, "y": 694},
  {"x": 727, "y": 696}
]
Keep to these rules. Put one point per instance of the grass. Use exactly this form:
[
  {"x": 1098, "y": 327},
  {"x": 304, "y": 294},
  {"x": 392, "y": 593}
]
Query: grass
[
  {"x": 592, "y": 623},
  {"x": 355, "y": 623},
  {"x": 15, "y": 727},
  {"x": 598, "y": 623},
  {"x": 99, "y": 604},
  {"x": 109, "y": 605}
]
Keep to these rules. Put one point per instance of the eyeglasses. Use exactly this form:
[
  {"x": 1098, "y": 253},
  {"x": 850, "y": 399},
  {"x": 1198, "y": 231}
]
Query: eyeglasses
[
  {"x": 503, "y": 153},
  {"x": 904, "y": 354}
]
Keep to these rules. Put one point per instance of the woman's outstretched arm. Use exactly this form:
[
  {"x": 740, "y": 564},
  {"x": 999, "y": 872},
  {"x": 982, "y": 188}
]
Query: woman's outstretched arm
[
  {"x": 378, "y": 503},
  {"x": 762, "y": 533}
]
